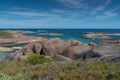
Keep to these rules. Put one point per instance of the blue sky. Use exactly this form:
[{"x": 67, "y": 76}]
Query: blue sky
[{"x": 59, "y": 13}]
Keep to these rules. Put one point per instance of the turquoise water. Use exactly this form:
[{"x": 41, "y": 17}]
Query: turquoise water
[{"x": 4, "y": 54}]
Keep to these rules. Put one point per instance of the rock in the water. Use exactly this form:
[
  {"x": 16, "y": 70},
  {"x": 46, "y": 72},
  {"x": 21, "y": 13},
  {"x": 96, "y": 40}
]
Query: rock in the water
[
  {"x": 5, "y": 49},
  {"x": 97, "y": 35}
]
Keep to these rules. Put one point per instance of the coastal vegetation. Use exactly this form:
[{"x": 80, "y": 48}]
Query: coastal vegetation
[
  {"x": 5, "y": 34},
  {"x": 44, "y": 69}
]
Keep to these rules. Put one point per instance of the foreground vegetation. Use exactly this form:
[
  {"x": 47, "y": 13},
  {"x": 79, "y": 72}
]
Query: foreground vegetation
[
  {"x": 48, "y": 69},
  {"x": 4, "y": 34}
]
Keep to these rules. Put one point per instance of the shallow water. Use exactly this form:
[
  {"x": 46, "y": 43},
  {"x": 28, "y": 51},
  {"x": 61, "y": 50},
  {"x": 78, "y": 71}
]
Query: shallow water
[{"x": 4, "y": 54}]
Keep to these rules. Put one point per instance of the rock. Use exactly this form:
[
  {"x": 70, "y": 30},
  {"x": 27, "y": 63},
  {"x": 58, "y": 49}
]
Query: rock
[
  {"x": 92, "y": 44},
  {"x": 51, "y": 47},
  {"x": 111, "y": 58},
  {"x": 5, "y": 49},
  {"x": 16, "y": 48},
  {"x": 37, "y": 48},
  {"x": 97, "y": 35},
  {"x": 34, "y": 47},
  {"x": 54, "y": 46},
  {"x": 62, "y": 58},
  {"x": 74, "y": 42},
  {"x": 11, "y": 56},
  {"x": 106, "y": 53},
  {"x": 76, "y": 52},
  {"x": 111, "y": 41}
]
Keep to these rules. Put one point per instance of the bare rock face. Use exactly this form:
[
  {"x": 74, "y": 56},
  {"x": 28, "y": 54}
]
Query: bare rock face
[
  {"x": 74, "y": 42},
  {"x": 63, "y": 51},
  {"x": 111, "y": 58},
  {"x": 54, "y": 46},
  {"x": 62, "y": 58},
  {"x": 76, "y": 52},
  {"x": 34, "y": 47},
  {"x": 69, "y": 50},
  {"x": 106, "y": 53}
]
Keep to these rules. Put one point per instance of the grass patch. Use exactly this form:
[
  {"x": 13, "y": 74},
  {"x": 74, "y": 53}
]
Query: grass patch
[{"x": 4, "y": 34}]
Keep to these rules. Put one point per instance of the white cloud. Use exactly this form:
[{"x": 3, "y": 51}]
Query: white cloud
[
  {"x": 101, "y": 7},
  {"x": 73, "y": 3},
  {"x": 86, "y": 4},
  {"x": 20, "y": 8},
  {"x": 107, "y": 15},
  {"x": 28, "y": 13}
]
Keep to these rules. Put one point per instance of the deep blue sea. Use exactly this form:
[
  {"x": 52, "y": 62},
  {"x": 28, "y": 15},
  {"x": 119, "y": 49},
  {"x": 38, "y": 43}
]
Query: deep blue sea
[{"x": 68, "y": 34}]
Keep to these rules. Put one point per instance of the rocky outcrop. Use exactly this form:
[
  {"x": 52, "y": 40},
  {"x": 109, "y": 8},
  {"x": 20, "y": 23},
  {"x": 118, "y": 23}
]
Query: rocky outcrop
[
  {"x": 105, "y": 53},
  {"x": 69, "y": 50},
  {"x": 76, "y": 52},
  {"x": 97, "y": 35},
  {"x": 62, "y": 58},
  {"x": 111, "y": 41},
  {"x": 53, "y": 47}
]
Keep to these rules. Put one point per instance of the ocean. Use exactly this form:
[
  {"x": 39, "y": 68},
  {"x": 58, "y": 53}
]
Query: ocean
[{"x": 66, "y": 34}]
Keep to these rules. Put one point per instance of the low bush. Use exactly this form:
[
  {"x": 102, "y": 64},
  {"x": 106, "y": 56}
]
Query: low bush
[{"x": 38, "y": 59}]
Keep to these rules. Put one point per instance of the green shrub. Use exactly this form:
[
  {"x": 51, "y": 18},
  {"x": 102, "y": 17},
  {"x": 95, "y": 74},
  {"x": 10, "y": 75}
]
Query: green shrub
[{"x": 38, "y": 59}]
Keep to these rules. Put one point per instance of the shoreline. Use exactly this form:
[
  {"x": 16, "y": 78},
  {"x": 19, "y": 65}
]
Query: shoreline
[{"x": 19, "y": 38}]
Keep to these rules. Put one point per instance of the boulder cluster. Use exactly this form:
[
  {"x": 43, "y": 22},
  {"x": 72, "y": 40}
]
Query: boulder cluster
[{"x": 69, "y": 51}]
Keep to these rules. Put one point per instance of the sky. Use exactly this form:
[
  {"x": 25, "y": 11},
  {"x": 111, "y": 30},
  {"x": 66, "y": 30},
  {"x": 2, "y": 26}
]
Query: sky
[{"x": 59, "y": 14}]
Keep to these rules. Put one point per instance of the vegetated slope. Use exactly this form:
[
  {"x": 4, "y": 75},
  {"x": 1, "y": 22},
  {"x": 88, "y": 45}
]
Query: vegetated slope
[
  {"x": 5, "y": 34},
  {"x": 51, "y": 70}
]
